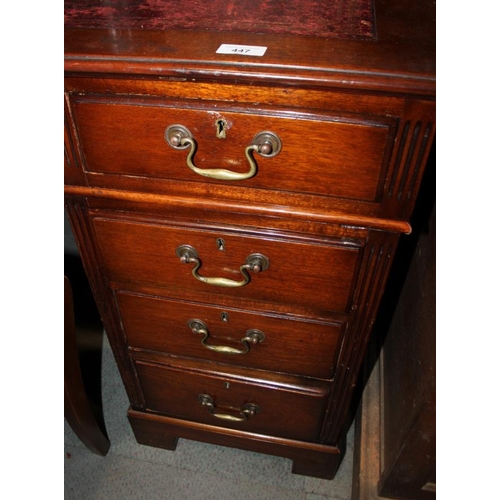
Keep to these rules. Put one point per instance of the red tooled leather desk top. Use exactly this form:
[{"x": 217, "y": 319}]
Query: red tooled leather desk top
[{"x": 351, "y": 19}]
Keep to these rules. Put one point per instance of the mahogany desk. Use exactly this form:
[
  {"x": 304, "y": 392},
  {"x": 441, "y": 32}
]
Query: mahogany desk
[{"x": 238, "y": 208}]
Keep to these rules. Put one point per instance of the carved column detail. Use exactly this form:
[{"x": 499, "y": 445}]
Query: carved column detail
[
  {"x": 414, "y": 142},
  {"x": 373, "y": 275}
]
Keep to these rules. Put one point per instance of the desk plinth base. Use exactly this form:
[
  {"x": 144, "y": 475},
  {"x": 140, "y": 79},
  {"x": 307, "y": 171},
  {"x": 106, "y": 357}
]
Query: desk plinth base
[{"x": 309, "y": 459}]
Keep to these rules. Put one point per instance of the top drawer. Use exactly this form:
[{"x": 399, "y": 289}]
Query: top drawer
[{"x": 321, "y": 153}]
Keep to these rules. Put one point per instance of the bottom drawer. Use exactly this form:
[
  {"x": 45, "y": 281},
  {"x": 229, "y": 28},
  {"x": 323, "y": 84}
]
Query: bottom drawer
[{"x": 218, "y": 399}]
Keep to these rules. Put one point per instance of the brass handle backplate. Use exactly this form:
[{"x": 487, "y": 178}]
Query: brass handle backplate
[
  {"x": 243, "y": 414},
  {"x": 255, "y": 262},
  {"x": 266, "y": 144},
  {"x": 251, "y": 337}
]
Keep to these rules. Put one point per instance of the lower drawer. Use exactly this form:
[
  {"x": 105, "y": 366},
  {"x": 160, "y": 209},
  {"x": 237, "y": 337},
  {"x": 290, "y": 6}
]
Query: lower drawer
[
  {"x": 281, "y": 344},
  {"x": 218, "y": 399}
]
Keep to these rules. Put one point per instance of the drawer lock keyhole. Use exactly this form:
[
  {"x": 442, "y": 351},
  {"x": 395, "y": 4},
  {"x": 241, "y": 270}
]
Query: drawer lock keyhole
[
  {"x": 221, "y": 244},
  {"x": 221, "y": 128}
]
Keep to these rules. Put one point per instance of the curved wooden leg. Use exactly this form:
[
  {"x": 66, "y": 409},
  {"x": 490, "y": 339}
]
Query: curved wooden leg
[{"x": 77, "y": 408}]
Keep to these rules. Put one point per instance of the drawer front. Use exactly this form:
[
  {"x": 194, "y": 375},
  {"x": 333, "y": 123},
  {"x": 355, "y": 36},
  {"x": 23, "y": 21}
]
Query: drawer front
[
  {"x": 227, "y": 402},
  {"x": 323, "y": 154},
  {"x": 309, "y": 275},
  {"x": 215, "y": 334}
]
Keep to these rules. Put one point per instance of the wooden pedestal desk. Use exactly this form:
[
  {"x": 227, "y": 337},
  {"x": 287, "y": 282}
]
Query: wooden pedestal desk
[{"x": 237, "y": 207}]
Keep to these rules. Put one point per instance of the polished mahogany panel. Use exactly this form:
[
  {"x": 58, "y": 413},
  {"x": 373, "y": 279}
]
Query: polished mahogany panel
[{"x": 289, "y": 345}]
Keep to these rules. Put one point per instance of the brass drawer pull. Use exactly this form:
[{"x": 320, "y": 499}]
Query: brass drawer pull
[
  {"x": 255, "y": 262},
  {"x": 249, "y": 410},
  {"x": 252, "y": 337},
  {"x": 266, "y": 144}
]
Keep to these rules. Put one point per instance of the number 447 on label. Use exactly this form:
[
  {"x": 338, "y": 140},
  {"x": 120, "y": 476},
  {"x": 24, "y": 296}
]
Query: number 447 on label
[{"x": 244, "y": 50}]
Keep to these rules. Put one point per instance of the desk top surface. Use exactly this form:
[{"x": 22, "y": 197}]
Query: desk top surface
[
  {"x": 350, "y": 19},
  {"x": 375, "y": 45}
]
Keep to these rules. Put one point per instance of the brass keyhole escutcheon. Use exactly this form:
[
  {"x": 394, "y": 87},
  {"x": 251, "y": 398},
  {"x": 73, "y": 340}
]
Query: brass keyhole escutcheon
[
  {"x": 221, "y": 244},
  {"x": 221, "y": 128}
]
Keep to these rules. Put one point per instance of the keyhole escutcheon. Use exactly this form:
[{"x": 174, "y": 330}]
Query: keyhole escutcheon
[{"x": 221, "y": 127}]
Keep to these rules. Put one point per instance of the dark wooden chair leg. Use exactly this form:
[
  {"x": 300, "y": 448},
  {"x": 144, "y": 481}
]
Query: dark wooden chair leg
[{"x": 78, "y": 411}]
